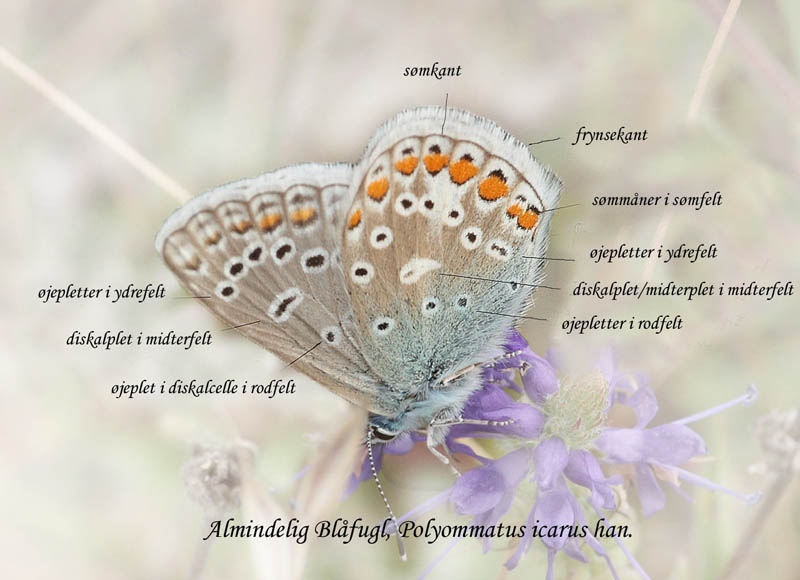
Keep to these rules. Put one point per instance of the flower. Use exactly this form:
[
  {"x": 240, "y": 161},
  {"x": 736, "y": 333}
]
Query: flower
[{"x": 557, "y": 437}]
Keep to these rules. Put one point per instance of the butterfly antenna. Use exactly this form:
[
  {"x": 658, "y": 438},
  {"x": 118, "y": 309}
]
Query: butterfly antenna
[{"x": 400, "y": 546}]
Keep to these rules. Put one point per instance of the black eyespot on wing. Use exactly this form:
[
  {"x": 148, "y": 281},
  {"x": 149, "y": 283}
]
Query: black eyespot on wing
[
  {"x": 236, "y": 268},
  {"x": 315, "y": 261},
  {"x": 500, "y": 249},
  {"x": 227, "y": 291},
  {"x": 254, "y": 255},
  {"x": 406, "y": 203},
  {"x": 283, "y": 250},
  {"x": 383, "y": 326},
  {"x": 429, "y": 203},
  {"x": 435, "y": 149},
  {"x": 361, "y": 272},
  {"x": 283, "y": 305}
]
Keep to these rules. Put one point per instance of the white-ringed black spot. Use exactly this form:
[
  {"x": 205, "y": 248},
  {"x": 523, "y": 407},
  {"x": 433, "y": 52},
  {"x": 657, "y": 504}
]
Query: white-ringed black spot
[
  {"x": 405, "y": 204},
  {"x": 471, "y": 237},
  {"x": 255, "y": 253},
  {"x": 314, "y": 261},
  {"x": 227, "y": 290},
  {"x": 381, "y": 237},
  {"x": 281, "y": 308},
  {"x": 383, "y": 325},
  {"x": 427, "y": 206},
  {"x": 430, "y": 305},
  {"x": 454, "y": 216},
  {"x": 499, "y": 249},
  {"x": 331, "y": 335},
  {"x": 235, "y": 268},
  {"x": 282, "y": 250},
  {"x": 362, "y": 272}
]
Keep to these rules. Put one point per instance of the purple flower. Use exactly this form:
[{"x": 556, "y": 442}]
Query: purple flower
[
  {"x": 660, "y": 449},
  {"x": 487, "y": 492},
  {"x": 554, "y": 432}
]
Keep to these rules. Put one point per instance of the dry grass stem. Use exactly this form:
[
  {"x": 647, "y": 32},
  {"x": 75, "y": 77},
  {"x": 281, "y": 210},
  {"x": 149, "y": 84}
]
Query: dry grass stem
[
  {"x": 75, "y": 112},
  {"x": 711, "y": 58}
]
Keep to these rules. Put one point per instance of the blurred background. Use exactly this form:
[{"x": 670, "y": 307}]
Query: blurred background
[{"x": 211, "y": 91}]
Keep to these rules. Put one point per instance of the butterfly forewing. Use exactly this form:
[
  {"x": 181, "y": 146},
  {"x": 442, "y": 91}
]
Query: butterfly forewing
[
  {"x": 265, "y": 256},
  {"x": 435, "y": 239}
]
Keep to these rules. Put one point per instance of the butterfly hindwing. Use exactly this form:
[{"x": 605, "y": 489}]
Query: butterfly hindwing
[
  {"x": 264, "y": 254},
  {"x": 437, "y": 214}
]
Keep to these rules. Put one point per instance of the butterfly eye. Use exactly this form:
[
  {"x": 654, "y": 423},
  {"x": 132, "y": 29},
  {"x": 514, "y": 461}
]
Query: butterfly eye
[{"x": 382, "y": 435}]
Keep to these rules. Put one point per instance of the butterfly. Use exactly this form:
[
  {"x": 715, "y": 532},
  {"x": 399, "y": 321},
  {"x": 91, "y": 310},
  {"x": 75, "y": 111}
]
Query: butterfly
[{"x": 391, "y": 281}]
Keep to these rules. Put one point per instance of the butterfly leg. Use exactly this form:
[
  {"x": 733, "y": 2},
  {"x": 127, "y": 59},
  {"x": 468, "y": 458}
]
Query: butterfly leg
[
  {"x": 489, "y": 363},
  {"x": 463, "y": 421},
  {"x": 435, "y": 452}
]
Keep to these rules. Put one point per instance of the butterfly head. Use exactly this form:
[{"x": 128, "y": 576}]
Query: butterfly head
[{"x": 382, "y": 434}]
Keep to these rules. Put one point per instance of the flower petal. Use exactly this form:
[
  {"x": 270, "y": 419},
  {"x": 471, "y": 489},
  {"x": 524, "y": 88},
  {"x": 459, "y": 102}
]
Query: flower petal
[
  {"x": 539, "y": 378},
  {"x": 553, "y": 509},
  {"x": 478, "y": 491},
  {"x": 672, "y": 444},
  {"x": 643, "y": 402},
  {"x": 583, "y": 469},
  {"x": 549, "y": 459},
  {"x": 481, "y": 489},
  {"x": 651, "y": 495}
]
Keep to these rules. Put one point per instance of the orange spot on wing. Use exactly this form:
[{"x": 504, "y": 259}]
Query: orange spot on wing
[
  {"x": 213, "y": 239},
  {"x": 492, "y": 188},
  {"x": 378, "y": 188},
  {"x": 303, "y": 215},
  {"x": 435, "y": 162},
  {"x": 194, "y": 263},
  {"x": 462, "y": 171},
  {"x": 355, "y": 219},
  {"x": 528, "y": 220},
  {"x": 515, "y": 210},
  {"x": 242, "y": 227},
  {"x": 270, "y": 221},
  {"x": 407, "y": 165}
]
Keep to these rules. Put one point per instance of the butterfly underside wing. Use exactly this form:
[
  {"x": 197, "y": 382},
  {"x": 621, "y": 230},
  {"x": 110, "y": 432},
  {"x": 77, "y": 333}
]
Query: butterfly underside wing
[
  {"x": 399, "y": 272},
  {"x": 441, "y": 208},
  {"x": 264, "y": 253}
]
